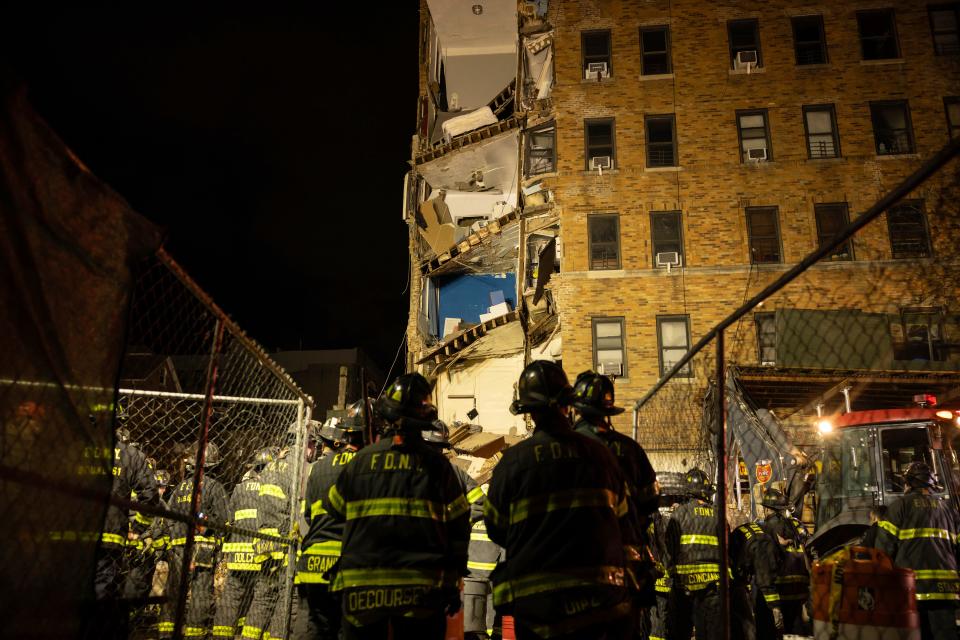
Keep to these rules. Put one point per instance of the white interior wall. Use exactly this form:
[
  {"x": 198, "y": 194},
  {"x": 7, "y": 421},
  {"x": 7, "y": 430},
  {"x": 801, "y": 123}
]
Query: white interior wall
[
  {"x": 490, "y": 382},
  {"x": 477, "y": 79}
]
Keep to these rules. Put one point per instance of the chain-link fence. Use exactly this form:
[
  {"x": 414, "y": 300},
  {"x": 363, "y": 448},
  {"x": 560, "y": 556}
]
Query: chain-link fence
[{"x": 824, "y": 380}]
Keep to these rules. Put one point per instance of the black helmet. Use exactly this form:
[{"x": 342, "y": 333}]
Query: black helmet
[
  {"x": 593, "y": 395},
  {"x": 774, "y": 500},
  {"x": 211, "y": 456},
  {"x": 542, "y": 384},
  {"x": 919, "y": 475},
  {"x": 697, "y": 485},
  {"x": 162, "y": 477},
  {"x": 123, "y": 435},
  {"x": 439, "y": 435},
  {"x": 262, "y": 458},
  {"x": 407, "y": 401},
  {"x": 336, "y": 432}
]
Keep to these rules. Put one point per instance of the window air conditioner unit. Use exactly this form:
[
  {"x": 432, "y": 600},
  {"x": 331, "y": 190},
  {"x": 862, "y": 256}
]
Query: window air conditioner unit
[
  {"x": 610, "y": 368},
  {"x": 667, "y": 259},
  {"x": 601, "y": 162},
  {"x": 757, "y": 155},
  {"x": 597, "y": 70},
  {"x": 745, "y": 60}
]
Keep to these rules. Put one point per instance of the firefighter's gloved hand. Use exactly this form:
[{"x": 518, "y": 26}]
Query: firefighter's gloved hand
[
  {"x": 777, "y": 618},
  {"x": 451, "y": 600}
]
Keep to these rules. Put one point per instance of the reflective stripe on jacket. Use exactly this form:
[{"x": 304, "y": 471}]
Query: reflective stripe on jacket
[
  {"x": 693, "y": 549},
  {"x": 322, "y": 545}
]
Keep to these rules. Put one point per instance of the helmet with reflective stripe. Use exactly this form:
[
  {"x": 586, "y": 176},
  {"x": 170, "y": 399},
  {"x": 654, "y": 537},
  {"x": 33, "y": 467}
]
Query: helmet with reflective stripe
[
  {"x": 162, "y": 477},
  {"x": 919, "y": 475},
  {"x": 593, "y": 396},
  {"x": 542, "y": 384},
  {"x": 262, "y": 458},
  {"x": 407, "y": 402},
  {"x": 697, "y": 484},
  {"x": 774, "y": 499},
  {"x": 335, "y": 432}
]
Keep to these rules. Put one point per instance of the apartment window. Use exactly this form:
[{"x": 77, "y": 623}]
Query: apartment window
[
  {"x": 744, "y": 35},
  {"x": 667, "y": 235},
  {"x": 944, "y": 22},
  {"x": 766, "y": 337},
  {"x": 596, "y": 51},
  {"x": 661, "y": 141},
  {"x": 754, "y": 136},
  {"x": 609, "y": 349},
  {"x": 909, "y": 237},
  {"x": 809, "y": 41},
  {"x": 820, "y": 123},
  {"x": 878, "y": 34},
  {"x": 604, "y": 236},
  {"x": 673, "y": 339},
  {"x": 831, "y": 219},
  {"x": 892, "y": 131},
  {"x": 952, "y": 108},
  {"x": 654, "y": 51},
  {"x": 918, "y": 334},
  {"x": 763, "y": 230},
  {"x": 542, "y": 149},
  {"x": 599, "y": 140}
]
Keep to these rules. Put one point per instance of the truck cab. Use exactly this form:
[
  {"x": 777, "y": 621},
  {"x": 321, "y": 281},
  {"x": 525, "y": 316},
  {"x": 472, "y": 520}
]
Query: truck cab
[{"x": 864, "y": 456}]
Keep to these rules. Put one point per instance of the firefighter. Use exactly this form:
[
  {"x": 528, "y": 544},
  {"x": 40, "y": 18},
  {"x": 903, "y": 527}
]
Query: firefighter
[
  {"x": 753, "y": 561},
  {"x": 555, "y": 503},
  {"x": 238, "y": 554},
  {"x": 593, "y": 398},
  {"x": 149, "y": 547},
  {"x": 269, "y": 612},
  {"x": 318, "y": 615},
  {"x": 658, "y": 613},
  {"x": 793, "y": 574},
  {"x": 213, "y": 505},
  {"x": 919, "y": 532},
  {"x": 693, "y": 561},
  {"x": 406, "y": 526}
]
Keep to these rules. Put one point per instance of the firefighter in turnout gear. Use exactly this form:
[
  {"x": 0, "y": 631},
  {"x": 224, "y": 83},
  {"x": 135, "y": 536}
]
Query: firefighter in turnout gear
[
  {"x": 555, "y": 504},
  {"x": 406, "y": 526},
  {"x": 658, "y": 614},
  {"x": 318, "y": 615},
  {"x": 593, "y": 398},
  {"x": 238, "y": 553},
  {"x": 212, "y": 504},
  {"x": 793, "y": 573},
  {"x": 269, "y": 612},
  {"x": 693, "y": 562},
  {"x": 753, "y": 561},
  {"x": 919, "y": 532}
]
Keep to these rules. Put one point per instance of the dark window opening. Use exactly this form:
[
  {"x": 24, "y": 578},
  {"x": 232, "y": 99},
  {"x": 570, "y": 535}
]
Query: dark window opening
[
  {"x": 673, "y": 338},
  {"x": 754, "y": 136},
  {"x": 766, "y": 337},
  {"x": 944, "y": 23},
  {"x": 918, "y": 335},
  {"x": 907, "y": 224},
  {"x": 899, "y": 448},
  {"x": 609, "y": 347},
  {"x": 667, "y": 237},
  {"x": 878, "y": 34},
  {"x": 831, "y": 220},
  {"x": 809, "y": 41},
  {"x": 604, "y": 236},
  {"x": 599, "y": 142},
  {"x": 744, "y": 36},
  {"x": 952, "y": 108},
  {"x": 542, "y": 149},
  {"x": 763, "y": 230},
  {"x": 654, "y": 51},
  {"x": 820, "y": 123},
  {"x": 892, "y": 131},
  {"x": 596, "y": 52},
  {"x": 661, "y": 141}
]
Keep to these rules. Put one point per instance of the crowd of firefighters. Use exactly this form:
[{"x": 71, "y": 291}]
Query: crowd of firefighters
[{"x": 570, "y": 538}]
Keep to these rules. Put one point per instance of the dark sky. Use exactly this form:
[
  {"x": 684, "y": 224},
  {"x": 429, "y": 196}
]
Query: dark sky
[{"x": 270, "y": 145}]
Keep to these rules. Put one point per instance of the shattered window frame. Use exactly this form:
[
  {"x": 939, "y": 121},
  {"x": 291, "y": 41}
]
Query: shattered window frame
[
  {"x": 763, "y": 245},
  {"x": 610, "y": 320},
  {"x": 878, "y": 44},
  {"x": 656, "y": 150},
  {"x": 817, "y": 149},
  {"x": 540, "y": 159},
  {"x": 809, "y": 51},
  {"x": 909, "y": 230},
  {"x": 674, "y": 319},
  {"x": 664, "y": 67},
  {"x": 753, "y": 24},
  {"x": 766, "y": 326},
  {"x": 673, "y": 244},
  {"x": 587, "y": 58},
  {"x": 588, "y": 146},
  {"x": 831, "y": 217},
  {"x": 891, "y": 140},
  {"x": 605, "y": 263},
  {"x": 952, "y": 35}
]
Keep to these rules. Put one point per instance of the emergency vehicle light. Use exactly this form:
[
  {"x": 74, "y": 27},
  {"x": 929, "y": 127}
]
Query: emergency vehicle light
[
  {"x": 824, "y": 426},
  {"x": 925, "y": 400},
  {"x": 948, "y": 415}
]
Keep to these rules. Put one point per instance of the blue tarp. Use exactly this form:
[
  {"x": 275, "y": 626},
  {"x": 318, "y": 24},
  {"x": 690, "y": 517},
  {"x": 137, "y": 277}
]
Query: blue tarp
[{"x": 467, "y": 296}]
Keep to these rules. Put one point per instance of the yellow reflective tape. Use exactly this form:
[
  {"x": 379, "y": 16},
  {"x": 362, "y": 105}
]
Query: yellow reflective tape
[
  {"x": 686, "y": 569},
  {"x": 328, "y": 548},
  {"x": 457, "y": 508},
  {"x": 142, "y": 519},
  {"x": 938, "y": 534},
  {"x": 699, "y": 539},
  {"x": 935, "y": 574},
  {"x": 272, "y": 490},
  {"x": 243, "y": 566},
  {"x": 245, "y": 514},
  {"x": 401, "y": 507},
  {"x": 774, "y": 597},
  {"x": 490, "y": 513},
  {"x": 222, "y": 631},
  {"x": 537, "y": 583},
  {"x": 336, "y": 500},
  {"x": 238, "y": 547},
  {"x": 478, "y": 536},
  {"x": 889, "y": 527},
  {"x": 165, "y": 626},
  {"x": 194, "y": 632},
  {"x": 481, "y": 566},
  {"x": 251, "y": 632},
  {"x": 317, "y": 509},
  {"x": 382, "y": 576},
  {"x": 270, "y": 531},
  {"x": 563, "y": 500},
  {"x": 938, "y": 596},
  {"x": 114, "y": 538},
  {"x": 475, "y": 494}
]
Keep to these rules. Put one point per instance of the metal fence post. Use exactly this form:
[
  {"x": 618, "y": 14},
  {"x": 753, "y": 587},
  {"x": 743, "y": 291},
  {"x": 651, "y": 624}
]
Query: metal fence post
[{"x": 722, "y": 490}]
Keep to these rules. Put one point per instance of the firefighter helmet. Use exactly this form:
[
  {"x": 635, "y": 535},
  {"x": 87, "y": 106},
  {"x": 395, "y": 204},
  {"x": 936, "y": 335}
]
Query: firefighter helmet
[
  {"x": 774, "y": 500},
  {"x": 919, "y": 475},
  {"x": 697, "y": 484},
  {"x": 162, "y": 477},
  {"x": 593, "y": 396},
  {"x": 211, "y": 457},
  {"x": 407, "y": 401},
  {"x": 262, "y": 458},
  {"x": 439, "y": 435},
  {"x": 123, "y": 435},
  {"x": 542, "y": 384},
  {"x": 336, "y": 432}
]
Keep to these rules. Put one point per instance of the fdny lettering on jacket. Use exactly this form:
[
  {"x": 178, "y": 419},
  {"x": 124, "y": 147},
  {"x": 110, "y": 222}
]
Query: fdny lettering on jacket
[
  {"x": 343, "y": 457},
  {"x": 554, "y": 451},
  {"x": 394, "y": 461},
  {"x": 706, "y": 512}
]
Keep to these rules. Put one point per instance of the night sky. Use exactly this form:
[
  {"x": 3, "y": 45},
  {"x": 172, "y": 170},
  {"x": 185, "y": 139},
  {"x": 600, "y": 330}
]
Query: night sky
[{"x": 271, "y": 147}]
